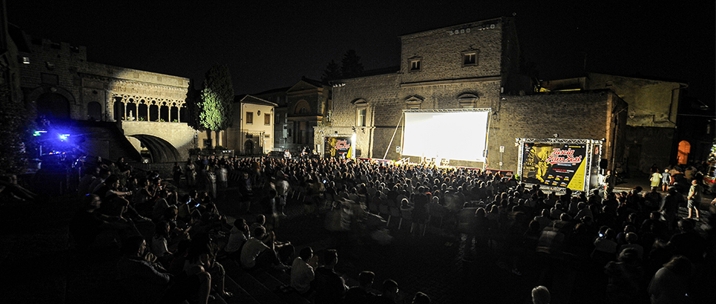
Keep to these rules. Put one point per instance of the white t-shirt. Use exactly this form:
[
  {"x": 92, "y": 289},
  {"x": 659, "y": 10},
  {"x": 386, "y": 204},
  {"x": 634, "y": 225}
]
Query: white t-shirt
[{"x": 301, "y": 275}]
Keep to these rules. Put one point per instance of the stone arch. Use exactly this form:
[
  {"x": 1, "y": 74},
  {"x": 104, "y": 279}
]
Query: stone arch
[
  {"x": 67, "y": 99},
  {"x": 53, "y": 106},
  {"x": 249, "y": 147},
  {"x": 94, "y": 111},
  {"x": 160, "y": 150},
  {"x": 302, "y": 107}
]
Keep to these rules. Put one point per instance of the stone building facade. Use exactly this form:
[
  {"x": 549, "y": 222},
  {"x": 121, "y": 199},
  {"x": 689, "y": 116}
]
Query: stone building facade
[
  {"x": 61, "y": 85},
  {"x": 301, "y": 108},
  {"x": 651, "y": 120},
  {"x": 252, "y": 131},
  {"x": 467, "y": 66}
]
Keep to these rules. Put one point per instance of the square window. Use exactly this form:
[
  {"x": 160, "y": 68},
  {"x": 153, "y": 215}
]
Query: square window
[
  {"x": 249, "y": 117},
  {"x": 267, "y": 119},
  {"x": 469, "y": 59},
  {"x": 415, "y": 65}
]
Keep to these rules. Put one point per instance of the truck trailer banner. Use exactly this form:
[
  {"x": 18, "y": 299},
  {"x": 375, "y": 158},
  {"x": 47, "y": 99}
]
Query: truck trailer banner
[
  {"x": 557, "y": 165},
  {"x": 338, "y": 147}
]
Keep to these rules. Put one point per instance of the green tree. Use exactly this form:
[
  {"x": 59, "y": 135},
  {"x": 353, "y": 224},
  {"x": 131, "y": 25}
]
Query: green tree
[
  {"x": 332, "y": 71},
  {"x": 216, "y": 102},
  {"x": 351, "y": 65},
  {"x": 193, "y": 98}
]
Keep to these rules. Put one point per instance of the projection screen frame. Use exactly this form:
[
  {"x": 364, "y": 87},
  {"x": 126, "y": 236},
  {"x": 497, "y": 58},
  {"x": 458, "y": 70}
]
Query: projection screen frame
[{"x": 487, "y": 127}]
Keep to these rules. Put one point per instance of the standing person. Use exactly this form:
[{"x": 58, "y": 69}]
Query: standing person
[
  {"x": 282, "y": 188},
  {"x": 694, "y": 199},
  {"x": 190, "y": 173},
  {"x": 665, "y": 180},
  {"x": 655, "y": 179},
  {"x": 670, "y": 207},
  {"x": 176, "y": 174}
]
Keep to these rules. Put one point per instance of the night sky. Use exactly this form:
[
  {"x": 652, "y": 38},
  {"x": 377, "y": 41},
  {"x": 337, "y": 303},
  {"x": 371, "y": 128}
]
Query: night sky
[{"x": 272, "y": 44}]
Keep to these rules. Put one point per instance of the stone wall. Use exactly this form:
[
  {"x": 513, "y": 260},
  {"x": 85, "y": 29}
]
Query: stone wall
[
  {"x": 441, "y": 51},
  {"x": 579, "y": 115},
  {"x": 180, "y": 135}
]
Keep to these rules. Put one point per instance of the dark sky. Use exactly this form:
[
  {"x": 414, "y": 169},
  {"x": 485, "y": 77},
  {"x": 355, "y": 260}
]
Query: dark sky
[{"x": 270, "y": 44}]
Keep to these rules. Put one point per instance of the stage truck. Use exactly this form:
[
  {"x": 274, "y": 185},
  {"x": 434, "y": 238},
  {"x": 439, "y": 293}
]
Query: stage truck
[{"x": 558, "y": 164}]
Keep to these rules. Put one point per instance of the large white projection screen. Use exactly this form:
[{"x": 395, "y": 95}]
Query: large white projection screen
[{"x": 459, "y": 135}]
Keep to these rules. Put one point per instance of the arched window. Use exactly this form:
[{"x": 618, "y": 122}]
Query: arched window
[
  {"x": 183, "y": 114},
  {"x": 361, "y": 112},
  {"x": 132, "y": 111},
  {"x": 118, "y": 111},
  {"x": 53, "y": 106},
  {"x": 174, "y": 114},
  {"x": 153, "y": 112},
  {"x": 302, "y": 107},
  {"x": 143, "y": 112},
  {"x": 164, "y": 112},
  {"x": 467, "y": 100}
]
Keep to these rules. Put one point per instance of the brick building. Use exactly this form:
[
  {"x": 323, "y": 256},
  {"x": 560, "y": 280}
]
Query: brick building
[
  {"x": 463, "y": 67},
  {"x": 652, "y": 115}
]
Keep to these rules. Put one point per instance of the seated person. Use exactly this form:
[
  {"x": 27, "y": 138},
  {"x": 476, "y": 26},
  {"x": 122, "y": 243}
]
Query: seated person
[
  {"x": 144, "y": 280},
  {"x": 238, "y": 236},
  {"x": 330, "y": 287},
  {"x": 87, "y": 223},
  {"x": 257, "y": 253},
  {"x": 390, "y": 293},
  {"x": 360, "y": 293},
  {"x": 302, "y": 273}
]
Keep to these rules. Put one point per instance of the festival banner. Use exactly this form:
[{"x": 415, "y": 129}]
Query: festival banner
[
  {"x": 556, "y": 165},
  {"x": 338, "y": 147}
]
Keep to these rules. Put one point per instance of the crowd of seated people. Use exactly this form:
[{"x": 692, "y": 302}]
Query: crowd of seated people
[{"x": 496, "y": 213}]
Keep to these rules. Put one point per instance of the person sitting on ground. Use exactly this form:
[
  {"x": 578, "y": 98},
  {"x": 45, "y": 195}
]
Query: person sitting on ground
[
  {"x": 302, "y": 273},
  {"x": 136, "y": 272},
  {"x": 238, "y": 237},
  {"x": 671, "y": 284},
  {"x": 421, "y": 298},
  {"x": 361, "y": 294},
  {"x": 330, "y": 287},
  {"x": 257, "y": 254},
  {"x": 160, "y": 205},
  {"x": 88, "y": 222},
  {"x": 390, "y": 293},
  {"x": 160, "y": 242},
  {"x": 200, "y": 255}
]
